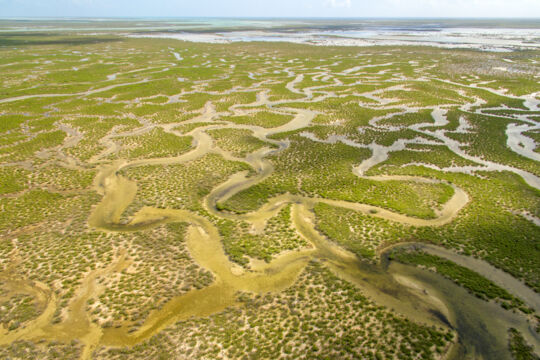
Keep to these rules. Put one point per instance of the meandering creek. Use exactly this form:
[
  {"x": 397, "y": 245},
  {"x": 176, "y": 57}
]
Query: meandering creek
[
  {"x": 418, "y": 294},
  {"x": 397, "y": 286}
]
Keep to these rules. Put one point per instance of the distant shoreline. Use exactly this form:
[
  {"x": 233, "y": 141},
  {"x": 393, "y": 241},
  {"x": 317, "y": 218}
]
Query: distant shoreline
[{"x": 486, "y": 34}]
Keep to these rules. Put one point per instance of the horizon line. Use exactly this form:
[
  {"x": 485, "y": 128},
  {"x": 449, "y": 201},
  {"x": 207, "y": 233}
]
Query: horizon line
[{"x": 69, "y": 17}]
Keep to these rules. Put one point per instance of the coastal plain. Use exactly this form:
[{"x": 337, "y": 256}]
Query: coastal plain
[{"x": 164, "y": 199}]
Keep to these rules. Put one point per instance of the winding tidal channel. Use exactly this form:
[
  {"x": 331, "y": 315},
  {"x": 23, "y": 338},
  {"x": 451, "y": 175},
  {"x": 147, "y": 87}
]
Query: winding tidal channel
[{"x": 418, "y": 294}]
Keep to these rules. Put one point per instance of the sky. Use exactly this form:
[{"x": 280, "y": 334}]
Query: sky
[{"x": 270, "y": 8}]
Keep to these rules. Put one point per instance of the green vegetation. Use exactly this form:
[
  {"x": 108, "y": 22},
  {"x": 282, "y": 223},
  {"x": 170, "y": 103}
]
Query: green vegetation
[
  {"x": 316, "y": 308},
  {"x": 277, "y": 236},
  {"x": 485, "y": 227},
  {"x": 239, "y": 142},
  {"x": 185, "y": 128},
  {"x": 180, "y": 186},
  {"x": 334, "y": 180},
  {"x": 54, "y": 350},
  {"x": 17, "y": 310},
  {"x": 358, "y": 233},
  {"x": 224, "y": 103},
  {"x": 25, "y": 150},
  {"x": 62, "y": 179},
  {"x": 495, "y": 149},
  {"x": 12, "y": 180},
  {"x": 436, "y": 155},
  {"x": 519, "y": 348},
  {"x": 265, "y": 119},
  {"x": 32, "y": 207},
  {"x": 408, "y": 119},
  {"x": 154, "y": 144},
  {"x": 430, "y": 93},
  {"x": 10, "y": 123},
  {"x": 91, "y": 126},
  {"x": 93, "y": 131},
  {"x": 472, "y": 281},
  {"x": 159, "y": 271}
]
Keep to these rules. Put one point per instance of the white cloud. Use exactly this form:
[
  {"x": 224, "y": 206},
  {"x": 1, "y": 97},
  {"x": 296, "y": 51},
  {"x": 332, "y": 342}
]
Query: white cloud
[{"x": 338, "y": 3}]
